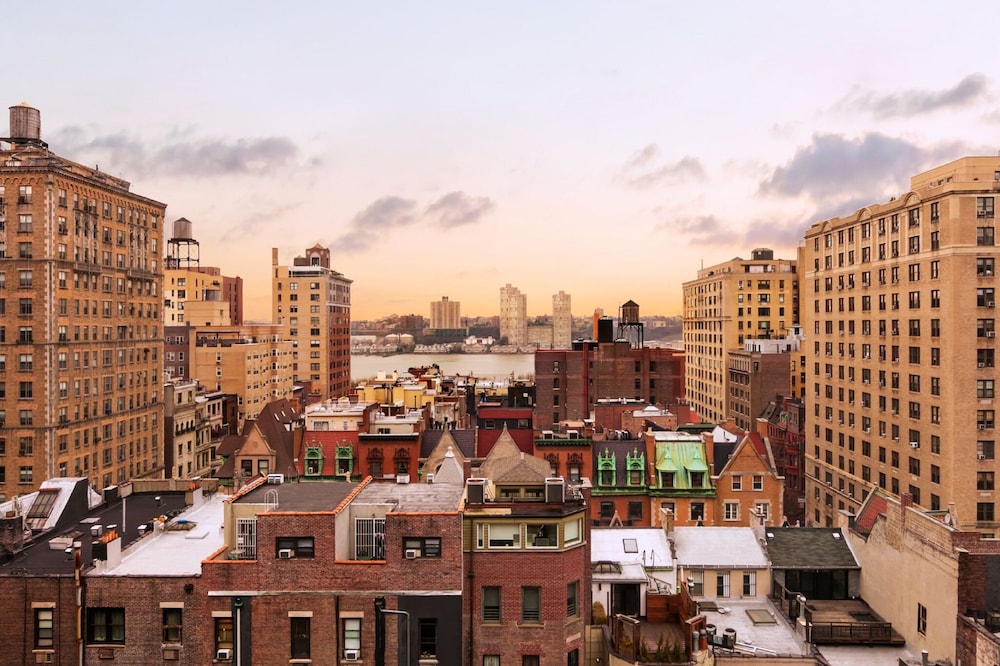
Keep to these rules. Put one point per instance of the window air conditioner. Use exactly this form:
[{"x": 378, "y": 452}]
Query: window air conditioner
[
  {"x": 412, "y": 553},
  {"x": 982, "y": 365},
  {"x": 352, "y": 655},
  {"x": 991, "y": 334},
  {"x": 980, "y": 456},
  {"x": 286, "y": 554},
  {"x": 44, "y": 658},
  {"x": 914, "y": 445},
  {"x": 225, "y": 654}
]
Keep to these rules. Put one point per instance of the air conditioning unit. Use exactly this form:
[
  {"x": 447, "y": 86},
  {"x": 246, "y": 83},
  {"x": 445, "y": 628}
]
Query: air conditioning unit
[
  {"x": 990, "y": 304},
  {"x": 286, "y": 554},
  {"x": 982, "y": 365},
  {"x": 982, "y": 426},
  {"x": 171, "y": 654},
  {"x": 225, "y": 654},
  {"x": 991, "y": 334},
  {"x": 980, "y": 456},
  {"x": 914, "y": 445},
  {"x": 412, "y": 553},
  {"x": 45, "y": 658},
  {"x": 352, "y": 655}
]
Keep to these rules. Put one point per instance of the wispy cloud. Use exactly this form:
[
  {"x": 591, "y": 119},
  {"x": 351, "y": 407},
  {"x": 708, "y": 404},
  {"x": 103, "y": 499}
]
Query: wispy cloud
[
  {"x": 645, "y": 169},
  {"x": 914, "y": 102},
  {"x": 833, "y": 166},
  {"x": 711, "y": 231},
  {"x": 369, "y": 226},
  {"x": 253, "y": 223},
  {"x": 179, "y": 153},
  {"x": 700, "y": 228},
  {"x": 457, "y": 209}
]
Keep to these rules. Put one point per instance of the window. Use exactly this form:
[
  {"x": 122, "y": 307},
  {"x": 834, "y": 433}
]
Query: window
[
  {"x": 737, "y": 482},
  {"x": 758, "y": 482},
  {"x": 763, "y": 510},
  {"x": 722, "y": 584},
  {"x": 491, "y": 604},
  {"x": 985, "y": 481},
  {"x": 352, "y": 635},
  {"x": 749, "y": 583},
  {"x": 172, "y": 624},
  {"x": 697, "y": 511},
  {"x": 984, "y": 512},
  {"x": 504, "y": 535},
  {"x": 106, "y": 626},
  {"x": 423, "y": 546},
  {"x": 985, "y": 236},
  {"x": 530, "y": 660},
  {"x": 300, "y": 633},
  {"x": 571, "y": 532},
  {"x": 921, "y": 619},
  {"x": 427, "y": 635},
  {"x": 491, "y": 660},
  {"x": 295, "y": 547},
  {"x": 984, "y": 206},
  {"x": 573, "y": 599},
  {"x": 635, "y": 511},
  {"x": 531, "y": 604},
  {"x": 44, "y": 634},
  {"x": 696, "y": 580},
  {"x": 731, "y": 511}
]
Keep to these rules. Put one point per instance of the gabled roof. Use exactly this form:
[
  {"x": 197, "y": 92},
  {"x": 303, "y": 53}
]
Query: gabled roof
[
  {"x": 809, "y": 548},
  {"x": 450, "y": 471},
  {"x": 276, "y": 426},
  {"x": 463, "y": 439},
  {"x": 445, "y": 446},
  {"x": 507, "y": 464}
]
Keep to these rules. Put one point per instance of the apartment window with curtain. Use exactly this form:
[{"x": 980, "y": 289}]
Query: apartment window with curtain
[{"x": 44, "y": 629}]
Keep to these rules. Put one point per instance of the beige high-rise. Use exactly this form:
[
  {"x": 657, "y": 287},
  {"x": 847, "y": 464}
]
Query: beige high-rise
[
  {"x": 562, "y": 321},
  {"x": 727, "y": 304},
  {"x": 900, "y": 325},
  {"x": 513, "y": 315},
  {"x": 81, "y": 338},
  {"x": 446, "y": 314},
  {"x": 314, "y": 302}
]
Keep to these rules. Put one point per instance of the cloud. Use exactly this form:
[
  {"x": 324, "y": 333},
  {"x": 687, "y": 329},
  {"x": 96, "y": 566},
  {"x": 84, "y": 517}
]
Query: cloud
[
  {"x": 252, "y": 224},
  {"x": 833, "y": 166},
  {"x": 453, "y": 210},
  {"x": 457, "y": 209},
  {"x": 914, "y": 102},
  {"x": 702, "y": 228},
  {"x": 179, "y": 153},
  {"x": 642, "y": 170}
]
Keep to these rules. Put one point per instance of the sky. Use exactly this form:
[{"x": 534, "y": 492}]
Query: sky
[{"x": 605, "y": 149}]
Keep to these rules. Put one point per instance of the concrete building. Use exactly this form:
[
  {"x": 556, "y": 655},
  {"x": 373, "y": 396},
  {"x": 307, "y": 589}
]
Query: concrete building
[
  {"x": 314, "y": 302},
  {"x": 562, "y": 321},
  {"x": 252, "y": 362},
  {"x": 726, "y": 305},
  {"x": 758, "y": 373},
  {"x": 446, "y": 314},
  {"x": 902, "y": 361},
  {"x": 513, "y": 316},
  {"x": 81, "y": 337}
]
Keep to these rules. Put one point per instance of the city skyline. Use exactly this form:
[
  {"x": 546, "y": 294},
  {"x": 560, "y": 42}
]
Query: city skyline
[{"x": 637, "y": 141}]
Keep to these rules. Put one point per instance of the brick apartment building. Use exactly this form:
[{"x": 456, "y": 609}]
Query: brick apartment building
[
  {"x": 570, "y": 382},
  {"x": 81, "y": 334}
]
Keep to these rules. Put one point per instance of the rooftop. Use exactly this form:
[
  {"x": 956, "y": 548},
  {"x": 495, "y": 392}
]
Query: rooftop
[
  {"x": 712, "y": 547},
  {"x": 809, "y": 548},
  {"x": 304, "y": 496},
  {"x": 630, "y": 545},
  {"x": 413, "y": 497},
  {"x": 760, "y": 628},
  {"x": 171, "y": 551}
]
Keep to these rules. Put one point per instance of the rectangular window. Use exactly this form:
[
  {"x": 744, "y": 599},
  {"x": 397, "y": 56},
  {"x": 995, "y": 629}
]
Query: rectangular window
[
  {"x": 984, "y": 512},
  {"x": 44, "y": 631},
  {"x": 504, "y": 535},
  {"x": 737, "y": 482},
  {"x": 422, "y": 547},
  {"x": 531, "y": 604},
  {"x": 731, "y": 510},
  {"x": 758, "y": 482},
  {"x": 172, "y": 624},
  {"x": 427, "y": 635},
  {"x": 722, "y": 584},
  {"x": 106, "y": 626},
  {"x": 352, "y": 637},
  {"x": 287, "y": 547},
  {"x": 697, "y": 511},
  {"x": 921, "y": 619},
  {"x": 573, "y": 599},
  {"x": 300, "y": 629},
  {"x": 749, "y": 583},
  {"x": 696, "y": 579},
  {"x": 491, "y": 604}
]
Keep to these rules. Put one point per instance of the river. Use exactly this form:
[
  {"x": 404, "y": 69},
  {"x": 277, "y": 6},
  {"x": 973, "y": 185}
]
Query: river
[{"x": 486, "y": 366}]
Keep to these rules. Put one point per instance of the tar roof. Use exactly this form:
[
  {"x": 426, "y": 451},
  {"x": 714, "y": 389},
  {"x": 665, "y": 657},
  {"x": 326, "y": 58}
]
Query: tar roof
[
  {"x": 307, "y": 496},
  {"x": 809, "y": 548},
  {"x": 413, "y": 497}
]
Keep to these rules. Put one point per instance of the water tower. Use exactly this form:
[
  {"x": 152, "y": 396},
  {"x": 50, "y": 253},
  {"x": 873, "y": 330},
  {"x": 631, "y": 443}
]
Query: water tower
[
  {"x": 183, "y": 251},
  {"x": 629, "y": 326}
]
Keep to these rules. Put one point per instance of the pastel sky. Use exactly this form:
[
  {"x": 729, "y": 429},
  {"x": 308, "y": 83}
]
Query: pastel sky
[{"x": 607, "y": 149}]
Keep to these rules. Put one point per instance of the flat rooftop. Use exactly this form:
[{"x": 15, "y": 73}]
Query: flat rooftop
[
  {"x": 761, "y": 629},
  {"x": 174, "y": 552},
  {"x": 300, "y": 496},
  {"x": 415, "y": 497}
]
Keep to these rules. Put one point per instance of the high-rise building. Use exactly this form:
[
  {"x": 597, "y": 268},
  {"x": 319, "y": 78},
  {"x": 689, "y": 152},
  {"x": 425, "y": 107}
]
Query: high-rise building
[
  {"x": 901, "y": 365},
  {"x": 81, "y": 342},
  {"x": 513, "y": 316},
  {"x": 562, "y": 321},
  {"x": 761, "y": 372},
  {"x": 314, "y": 302},
  {"x": 446, "y": 314},
  {"x": 726, "y": 305}
]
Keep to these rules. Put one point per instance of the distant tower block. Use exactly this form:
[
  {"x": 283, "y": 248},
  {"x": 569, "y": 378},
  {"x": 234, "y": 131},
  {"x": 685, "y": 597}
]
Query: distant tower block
[
  {"x": 183, "y": 251},
  {"x": 629, "y": 326}
]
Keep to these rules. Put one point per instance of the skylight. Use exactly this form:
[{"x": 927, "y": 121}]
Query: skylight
[{"x": 631, "y": 545}]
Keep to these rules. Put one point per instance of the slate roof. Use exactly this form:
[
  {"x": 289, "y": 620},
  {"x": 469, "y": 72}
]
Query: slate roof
[
  {"x": 445, "y": 447},
  {"x": 809, "y": 548},
  {"x": 272, "y": 423},
  {"x": 463, "y": 439},
  {"x": 507, "y": 464}
]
